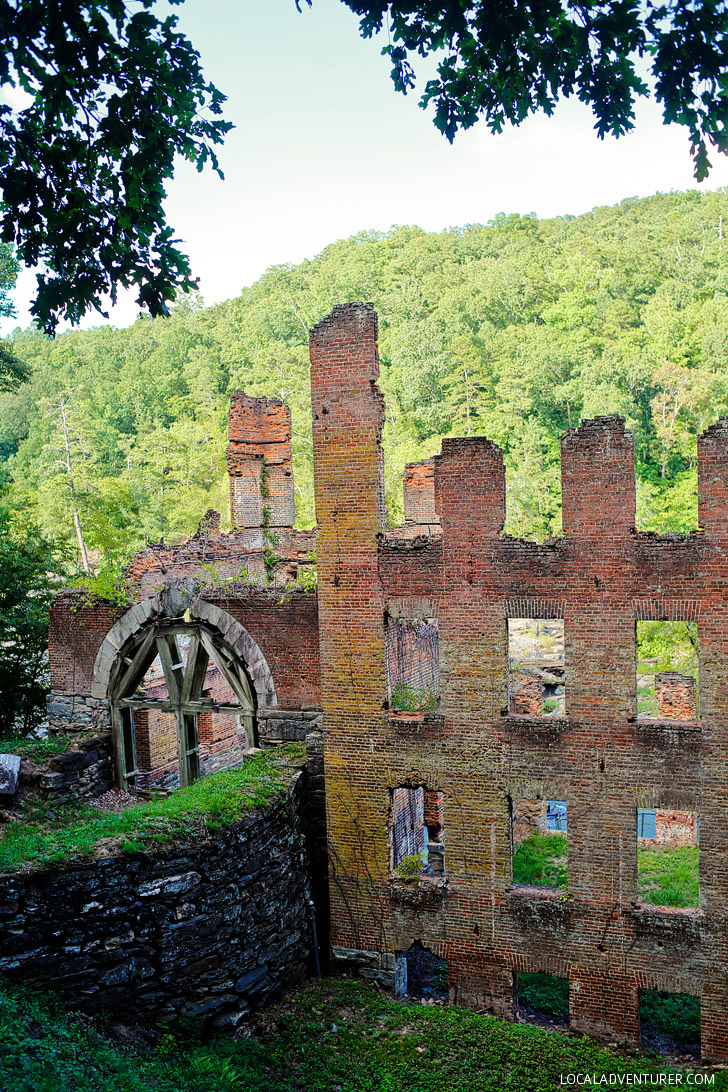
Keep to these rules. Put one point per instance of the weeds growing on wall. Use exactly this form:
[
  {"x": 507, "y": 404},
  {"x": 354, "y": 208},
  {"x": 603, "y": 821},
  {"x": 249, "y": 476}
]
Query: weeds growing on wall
[{"x": 415, "y": 699}]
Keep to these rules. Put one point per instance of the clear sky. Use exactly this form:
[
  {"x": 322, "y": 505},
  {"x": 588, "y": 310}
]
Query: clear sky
[{"x": 325, "y": 147}]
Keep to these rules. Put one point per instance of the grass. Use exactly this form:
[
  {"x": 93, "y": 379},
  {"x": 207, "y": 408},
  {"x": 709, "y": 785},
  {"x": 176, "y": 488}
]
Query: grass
[
  {"x": 73, "y": 831},
  {"x": 333, "y": 1035},
  {"x": 37, "y": 750},
  {"x": 668, "y": 875},
  {"x": 414, "y": 699},
  {"x": 540, "y": 859}
]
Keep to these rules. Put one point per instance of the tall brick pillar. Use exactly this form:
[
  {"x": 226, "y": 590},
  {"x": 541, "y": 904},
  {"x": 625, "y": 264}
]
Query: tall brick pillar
[
  {"x": 259, "y": 462},
  {"x": 470, "y": 500},
  {"x": 598, "y": 490},
  {"x": 713, "y": 670},
  {"x": 348, "y": 415}
]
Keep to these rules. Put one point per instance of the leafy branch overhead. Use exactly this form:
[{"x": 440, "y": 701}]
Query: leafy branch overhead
[
  {"x": 503, "y": 62},
  {"x": 106, "y": 99}
]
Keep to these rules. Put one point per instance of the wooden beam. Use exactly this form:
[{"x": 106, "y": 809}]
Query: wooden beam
[
  {"x": 226, "y": 671},
  {"x": 165, "y": 656},
  {"x": 140, "y": 663}
]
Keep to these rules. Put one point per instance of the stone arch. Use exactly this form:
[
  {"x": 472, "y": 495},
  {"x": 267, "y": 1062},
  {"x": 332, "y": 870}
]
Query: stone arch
[{"x": 229, "y": 630}]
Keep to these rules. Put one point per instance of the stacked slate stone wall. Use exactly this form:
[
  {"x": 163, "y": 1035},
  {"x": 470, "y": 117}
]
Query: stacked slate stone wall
[
  {"x": 84, "y": 772},
  {"x": 214, "y": 926}
]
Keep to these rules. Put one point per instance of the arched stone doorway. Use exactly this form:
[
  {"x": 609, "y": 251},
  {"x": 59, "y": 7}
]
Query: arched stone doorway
[{"x": 187, "y": 639}]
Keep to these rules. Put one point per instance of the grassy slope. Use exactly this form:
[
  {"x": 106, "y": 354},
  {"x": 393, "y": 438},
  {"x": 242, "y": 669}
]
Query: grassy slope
[
  {"x": 333, "y": 1035},
  {"x": 72, "y": 831}
]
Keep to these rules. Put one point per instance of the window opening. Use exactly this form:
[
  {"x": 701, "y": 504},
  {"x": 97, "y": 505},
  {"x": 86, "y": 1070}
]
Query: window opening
[
  {"x": 413, "y": 654},
  {"x": 128, "y": 744},
  {"x": 421, "y": 974},
  {"x": 670, "y": 1021},
  {"x": 536, "y": 665},
  {"x": 667, "y": 671},
  {"x": 417, "y": 833},
  {"x": 539, "y": 839},
  {"x": 668, "y": 857},
  {"x": 543, "y": 998}
]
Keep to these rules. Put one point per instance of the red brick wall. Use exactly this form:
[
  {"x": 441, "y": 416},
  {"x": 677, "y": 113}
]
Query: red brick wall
[
  {"x": 419, "y": 493},
  {"x": 525, "y": 695},
  {"x": 77, "y": 626},
  {"x": 260, "y": 445},
  {"x": 283, "y": 623},
  {"x": 676, "y": 696},
  {"x": 601, "y": 577}
]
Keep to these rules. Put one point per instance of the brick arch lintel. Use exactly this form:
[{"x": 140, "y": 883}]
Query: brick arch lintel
[{"x": 229, "y": 630}]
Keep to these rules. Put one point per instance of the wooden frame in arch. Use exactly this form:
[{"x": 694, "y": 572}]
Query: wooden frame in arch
[{"x": 184, "y": 676}]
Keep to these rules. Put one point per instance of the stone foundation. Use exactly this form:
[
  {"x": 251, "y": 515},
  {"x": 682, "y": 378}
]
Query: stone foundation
[{"x": 212, "y": 927}]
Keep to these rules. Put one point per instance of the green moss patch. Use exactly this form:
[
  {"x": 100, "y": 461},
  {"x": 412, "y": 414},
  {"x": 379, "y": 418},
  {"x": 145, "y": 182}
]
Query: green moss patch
[{"x": 76, "y": 830}]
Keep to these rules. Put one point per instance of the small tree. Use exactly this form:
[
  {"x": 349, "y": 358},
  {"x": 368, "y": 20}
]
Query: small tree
[{"x": 27, "y": 564}]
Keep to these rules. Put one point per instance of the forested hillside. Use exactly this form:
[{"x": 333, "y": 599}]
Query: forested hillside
[{"x": 515, "y": 330}]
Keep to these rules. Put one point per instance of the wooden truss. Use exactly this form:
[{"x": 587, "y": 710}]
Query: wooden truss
[{"x": 185, "y": 682}]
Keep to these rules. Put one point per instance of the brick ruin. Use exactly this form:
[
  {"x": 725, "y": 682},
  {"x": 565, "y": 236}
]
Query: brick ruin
[{"x": 469, "y": 755}]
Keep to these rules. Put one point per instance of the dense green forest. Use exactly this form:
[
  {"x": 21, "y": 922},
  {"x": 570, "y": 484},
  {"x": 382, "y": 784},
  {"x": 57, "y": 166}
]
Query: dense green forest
[{"x": 517, "y": 330}]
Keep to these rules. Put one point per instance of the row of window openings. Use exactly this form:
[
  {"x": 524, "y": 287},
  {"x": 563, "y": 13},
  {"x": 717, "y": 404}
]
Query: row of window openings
[
  {"x": 667, "y": 846},
  {"x": 666, "y": 1019},
  {"x": 666, "y": 668}
]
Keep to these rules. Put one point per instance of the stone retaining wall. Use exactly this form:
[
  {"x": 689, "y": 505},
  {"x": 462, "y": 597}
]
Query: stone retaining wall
[
  {"x": 84, "y": 772},
  {"x": 215, "y": 926}
]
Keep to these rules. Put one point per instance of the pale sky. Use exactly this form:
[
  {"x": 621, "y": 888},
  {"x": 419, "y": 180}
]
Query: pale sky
[{"x": 324, "y": 147}]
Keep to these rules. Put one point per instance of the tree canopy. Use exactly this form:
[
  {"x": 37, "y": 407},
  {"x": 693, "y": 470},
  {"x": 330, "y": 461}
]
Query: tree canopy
[
  {"x": 516, "y": 329},
  {"x": 504, "y": 61},
  {"x": 113, "y": 95}
]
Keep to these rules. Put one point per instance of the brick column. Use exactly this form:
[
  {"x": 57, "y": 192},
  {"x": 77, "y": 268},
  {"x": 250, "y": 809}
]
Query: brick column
[
  {"x": 259, "y": 462},
  {"x": 348, "y": 415}
]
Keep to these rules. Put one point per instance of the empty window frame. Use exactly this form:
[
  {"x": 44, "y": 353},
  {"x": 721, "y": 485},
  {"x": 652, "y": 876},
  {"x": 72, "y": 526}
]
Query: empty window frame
[
  {"x": 413, "y": 657},
  {"x": 670, "y": 1020},
  {"x": 417, "y": 833},
  {"x": 539, "y": 840},
  {"x": 667, "y": 858},
  {"x": 420, "y": 974},
  {"x": 543, "y": 998},
  {"x": 536, "y": 667},
  {"x": 667, "y": 671}
]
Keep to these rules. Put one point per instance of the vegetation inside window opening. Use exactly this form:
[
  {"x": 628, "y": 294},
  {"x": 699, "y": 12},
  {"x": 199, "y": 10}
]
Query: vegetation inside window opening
[
  {"x": 413, "y": 652},
  {"x": 669, "y": 1016},
  {"x": 666, "y": 651},
  {"x": 543, "y": 995}
]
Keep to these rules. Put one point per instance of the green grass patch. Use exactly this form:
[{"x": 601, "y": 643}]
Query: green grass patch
[
  {"x": 676, "y": 1015},
  {"x": 541, "y": 859},
  {"x": 668, "y": 875},
  {"x": 37, "y": 750},
  {"x": 216, "y": 801},
  {"x": 335, "y": 1034},
  {"x": 545, "y": 994}
]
